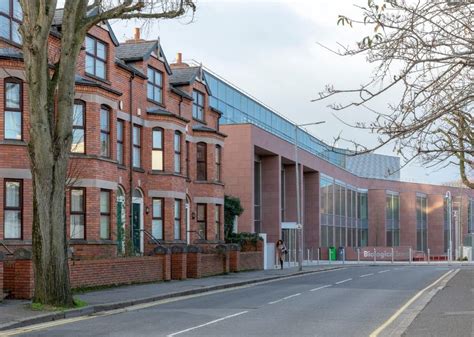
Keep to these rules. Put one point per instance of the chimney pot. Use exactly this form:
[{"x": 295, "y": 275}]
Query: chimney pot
[
  {"x": 179, "y": 58},
  {"x": 136, "y": 32}
]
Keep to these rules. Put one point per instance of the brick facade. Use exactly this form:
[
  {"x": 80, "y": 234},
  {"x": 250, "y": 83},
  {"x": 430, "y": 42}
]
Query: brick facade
[{"x": 123, "y": 92}]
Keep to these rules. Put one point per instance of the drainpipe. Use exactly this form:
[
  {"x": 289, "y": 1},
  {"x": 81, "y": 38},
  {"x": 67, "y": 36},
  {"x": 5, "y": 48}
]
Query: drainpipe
[{"x": 131, "y": 159}]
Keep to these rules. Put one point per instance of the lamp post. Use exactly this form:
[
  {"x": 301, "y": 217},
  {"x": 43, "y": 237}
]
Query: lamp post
[
  {"x": 299, "y": 231},
  {"x": 449, "y": 205}
]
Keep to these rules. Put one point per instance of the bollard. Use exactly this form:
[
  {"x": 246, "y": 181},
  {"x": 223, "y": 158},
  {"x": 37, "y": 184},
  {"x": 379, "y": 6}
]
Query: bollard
[
  {"x": 428, "y": 255},
  {"x": 343, "y": 255},
  {"x": 409, "y": 255},
  {"x": 319, "y": 252},
  {"x": 375, "y": 255},
  {"x": 358, "y": 255},
  {"x": 307, "y": 254},
  {"x": 392, "y": 255}
]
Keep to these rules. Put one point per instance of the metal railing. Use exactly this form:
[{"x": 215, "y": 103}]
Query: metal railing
[
  {"x": 6, "y": 248},
  {"x": 149, "y": 235}
]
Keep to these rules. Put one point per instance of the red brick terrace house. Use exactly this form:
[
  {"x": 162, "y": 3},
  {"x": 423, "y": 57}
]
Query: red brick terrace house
[{"x": 146, "y": 154}]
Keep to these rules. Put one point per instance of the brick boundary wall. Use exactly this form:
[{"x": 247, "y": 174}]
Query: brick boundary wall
[
  {"x": 115, "y": 271},
  {"x": 177, "y": 262},
  {"x": 251, "y": 261}
]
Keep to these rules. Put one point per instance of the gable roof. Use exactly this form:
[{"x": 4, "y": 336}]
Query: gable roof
[
  {"x": 133, "y": 51},
  {"x": 58, "y": 21},
  {"x": 187, "y": 76}
]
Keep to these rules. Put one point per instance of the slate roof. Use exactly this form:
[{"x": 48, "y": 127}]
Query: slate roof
[
  {"x": 164, "y": 112},
  {"x": 130, "y": 68},
  {"x": 84, "y": 81},
  {"x": 58, "y": 20},
  {"x": 11, "y": 53},
  {"x": 184, "y": 76},
  {"x": 203, "y": 128},
  {"x": 135, "y": 51},
  {"x": 181, "y": 93},
  {"x": 187, "y": 76},
  {"x": 372, "y": 165}
]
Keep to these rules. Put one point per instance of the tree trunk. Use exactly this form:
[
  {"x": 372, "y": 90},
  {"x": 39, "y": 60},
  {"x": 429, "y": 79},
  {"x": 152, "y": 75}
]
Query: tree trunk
[{"x": 50, "y": 110}]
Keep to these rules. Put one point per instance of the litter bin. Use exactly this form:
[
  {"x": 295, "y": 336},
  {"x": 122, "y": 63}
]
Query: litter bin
[
  {"x": 340, "y": 253},
  {"x": 332, "y": 253}
]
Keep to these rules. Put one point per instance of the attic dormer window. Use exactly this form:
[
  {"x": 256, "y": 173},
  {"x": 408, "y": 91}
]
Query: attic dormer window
[
  {"x": 155, "y": 85},
  {"x": 198, "y": 105},
  {"x": 10, "y": 20},
  {"x": 96, "y": 57}
]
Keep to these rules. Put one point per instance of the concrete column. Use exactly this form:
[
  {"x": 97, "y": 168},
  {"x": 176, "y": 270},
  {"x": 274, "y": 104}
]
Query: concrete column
[
  {"x": 311, "y": 210},
  {"x": 376, "y": 200},
  {"x": 271, "y": 215}
]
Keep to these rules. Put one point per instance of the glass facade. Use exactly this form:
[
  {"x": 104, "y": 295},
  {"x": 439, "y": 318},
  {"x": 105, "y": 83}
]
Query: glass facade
[
  {"x": 392, "y": 219},
  {"x": 237, "y": 108},
  {"x": 421, "y": 223},
  {"x": 343, "y": 214}
]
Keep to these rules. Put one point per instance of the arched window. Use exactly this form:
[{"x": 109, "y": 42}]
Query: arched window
[
  {"x": 157, "y": 159},
  {"x": 78, "y": 127},
  {"x": 201, "y": 161},
  {"x": 105, "y": 131},
  {"x": 10, "y": 20},
  {"x": 218, "y": 157},
  {"x": 177, "y": 152},
  {"x": 13, "y": 107}
]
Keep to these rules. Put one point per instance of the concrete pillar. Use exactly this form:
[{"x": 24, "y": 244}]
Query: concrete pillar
[{"x": 271, "y": 215}]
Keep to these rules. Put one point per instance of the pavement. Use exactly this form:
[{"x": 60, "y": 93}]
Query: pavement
[
  {"x": 450, "y": 312},
  {"x": 348, "y": 301},
  {"x": 16, "y": 313}
]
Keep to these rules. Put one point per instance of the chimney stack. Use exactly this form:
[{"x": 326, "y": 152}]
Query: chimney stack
[
  {"x": 136, "y": 33},
  {"x": 179, "y": 58}
]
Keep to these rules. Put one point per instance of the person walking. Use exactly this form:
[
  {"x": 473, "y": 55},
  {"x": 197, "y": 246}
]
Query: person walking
[{"x": 281, "y": 251}]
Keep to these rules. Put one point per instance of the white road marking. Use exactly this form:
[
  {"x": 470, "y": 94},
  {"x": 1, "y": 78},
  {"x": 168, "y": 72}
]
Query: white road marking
[
  {"x": 322, "y": 287},
  {"x": 284, "y": 298},
  {"x": 208, "y": 323},
  {"x": 347, "y": 280},
  {"x": 365, "y": 275},
  {"x": 383, "y": 271},
  {"x": 294, "y": 295}
]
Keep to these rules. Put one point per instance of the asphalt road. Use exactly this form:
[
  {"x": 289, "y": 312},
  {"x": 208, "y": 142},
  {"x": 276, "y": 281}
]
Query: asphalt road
[{"x": 346, "y": 302}]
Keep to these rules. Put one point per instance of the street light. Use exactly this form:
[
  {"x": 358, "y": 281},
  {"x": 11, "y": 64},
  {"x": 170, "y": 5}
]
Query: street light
[
  {"x": 299, "y": 241},
  {"x": 449, "y": 205}
]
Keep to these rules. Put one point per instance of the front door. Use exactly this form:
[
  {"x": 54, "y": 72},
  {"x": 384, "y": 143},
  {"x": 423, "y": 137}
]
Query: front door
[
  {"x": 136, "y": 224},
  {"x": 120, "y": 225}
]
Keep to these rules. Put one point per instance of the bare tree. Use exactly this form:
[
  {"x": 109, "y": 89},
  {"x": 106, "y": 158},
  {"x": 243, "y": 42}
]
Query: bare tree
[
  {"x": 425, "y": 50},
  {"x": 51, "y": 91}
]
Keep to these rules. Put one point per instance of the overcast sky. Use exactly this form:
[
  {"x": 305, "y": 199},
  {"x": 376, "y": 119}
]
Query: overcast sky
[{"x": 270, "y": 49}]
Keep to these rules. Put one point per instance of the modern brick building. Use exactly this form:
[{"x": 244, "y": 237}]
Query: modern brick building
[
  {"x": 146, "y": 153},
  {"x": 346, "y": 201}
]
